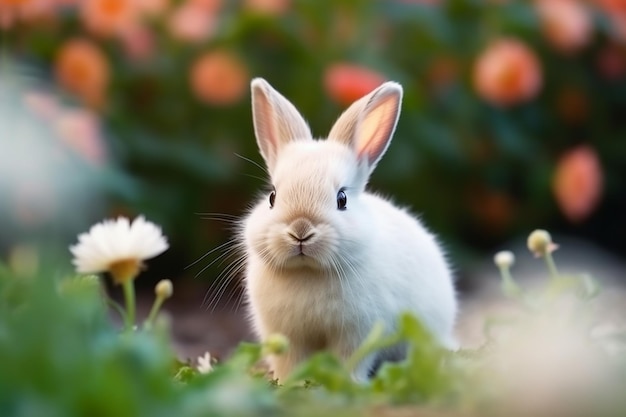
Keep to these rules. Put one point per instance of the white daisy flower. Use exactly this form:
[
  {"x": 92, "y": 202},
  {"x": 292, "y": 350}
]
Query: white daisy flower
[
  {"x": 204, "y": 363},
  {"x": 119, "y": 247}
]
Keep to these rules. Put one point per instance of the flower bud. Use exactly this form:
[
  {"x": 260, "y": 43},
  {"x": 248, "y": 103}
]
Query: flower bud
[
  {"x": 164, "y": 289},
  {"x": 504, "y": 259},
  {"x": 276, "y": 344},
  {"x": 540, "y": 243}
]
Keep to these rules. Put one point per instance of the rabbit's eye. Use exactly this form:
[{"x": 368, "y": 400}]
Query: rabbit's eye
[
  {"x": 272, "y": 198},
  {"x": 342, "y": 200}
]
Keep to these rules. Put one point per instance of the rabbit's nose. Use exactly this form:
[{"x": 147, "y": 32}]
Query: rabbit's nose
[
  {"x": 301, "y": 230},
  {"x": 303, "y": 238}
]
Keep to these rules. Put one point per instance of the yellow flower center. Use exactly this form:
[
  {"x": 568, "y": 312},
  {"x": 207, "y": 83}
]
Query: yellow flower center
[{"x": 124, "y": 270}]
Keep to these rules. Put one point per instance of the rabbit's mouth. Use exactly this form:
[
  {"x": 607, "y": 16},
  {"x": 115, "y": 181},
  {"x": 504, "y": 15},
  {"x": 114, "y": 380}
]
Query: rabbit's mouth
[
  {"x": 302, "y": 260},
  {"x": 301, "y": 251},
  {"x": 304, "y": 255}
]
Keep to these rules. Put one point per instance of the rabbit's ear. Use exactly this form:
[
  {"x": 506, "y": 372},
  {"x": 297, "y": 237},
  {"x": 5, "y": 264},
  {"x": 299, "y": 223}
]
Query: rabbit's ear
[
  {"x": 368, "y": 124},
  {"x": 276, "y": 121}
]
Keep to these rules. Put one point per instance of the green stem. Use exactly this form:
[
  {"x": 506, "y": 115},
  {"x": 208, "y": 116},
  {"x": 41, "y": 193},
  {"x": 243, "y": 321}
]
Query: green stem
[
  {"x": 116, "y": 307},
  {"x": 156, "y": 306},
  {"x": 507, "y": 277},
  {"x": 554, "y": 273},
  {"x": 129, "y": 298},
  {"x": 509, "y": 286}
]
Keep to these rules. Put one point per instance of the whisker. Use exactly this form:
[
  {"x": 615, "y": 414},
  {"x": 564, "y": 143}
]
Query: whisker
[
  {"x": 208, "y": 253},
  {"x": 222, "y": 217},
  {"x": 253, "y": 163},
  {"x": 228, "y": 252},
  {"x": 242, "y": 296},
  {"x": 225, "y": 215},
  {"x": 217, "y": 296},
  {"x": 225, "y": 272},
  {"x": 224, "y": 220},
  {"x": 255, "y": 177},
  {"x": 348, "y": 263},
  {"x": 209, "y": 292},
  {"x": 216, "y": 282},
  {"x": 338, "y": 269},
  {"x": 226, "y": 277},
  {"x": 238, "y": 290}
]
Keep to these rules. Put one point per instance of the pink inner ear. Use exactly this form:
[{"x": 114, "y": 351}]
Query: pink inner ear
[
  {"x": 276, "y": 121},
  {"x": 266, "y": 129},
  {"x": 376, "y": 128}
]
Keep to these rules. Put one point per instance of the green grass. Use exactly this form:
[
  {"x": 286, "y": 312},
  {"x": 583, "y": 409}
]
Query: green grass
[{"x": 60, "y": 355}]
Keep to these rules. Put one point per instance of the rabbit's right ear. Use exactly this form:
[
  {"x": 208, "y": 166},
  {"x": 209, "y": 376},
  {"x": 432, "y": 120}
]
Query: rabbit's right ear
[{"x": 276, "y": 121}]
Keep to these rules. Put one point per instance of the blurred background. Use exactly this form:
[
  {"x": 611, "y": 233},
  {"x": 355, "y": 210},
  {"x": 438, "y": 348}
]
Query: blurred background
[{"x": 514, "y": 118}]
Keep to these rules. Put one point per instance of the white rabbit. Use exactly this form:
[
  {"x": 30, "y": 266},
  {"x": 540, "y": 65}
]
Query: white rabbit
[{"x": 326, "y": 260}]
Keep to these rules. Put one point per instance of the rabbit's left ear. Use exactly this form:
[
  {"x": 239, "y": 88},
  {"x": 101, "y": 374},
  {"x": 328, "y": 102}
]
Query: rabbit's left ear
[{"x": 367, "y": 126}]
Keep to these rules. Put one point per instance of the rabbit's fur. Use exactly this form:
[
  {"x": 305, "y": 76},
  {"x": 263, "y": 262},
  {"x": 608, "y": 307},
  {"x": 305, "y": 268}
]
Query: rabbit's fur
[{"x": 322, "y": 275}]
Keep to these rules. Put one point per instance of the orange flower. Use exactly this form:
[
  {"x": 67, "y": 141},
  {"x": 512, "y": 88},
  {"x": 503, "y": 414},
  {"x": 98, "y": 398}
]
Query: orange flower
[
  {"x": 345, "y": 82},
  {"x": 109, "y": 17},
  {"x": 219, "y": 78},
  {"x": 507, "y": 73},
  {"x": 192, "y": 22},
  {"x": 566, "y": 23},
  {"x": 12, "y": 11},
  {"x": 577, "y": 183},
  {"x": 268, "y": 7},
  {"x": 83, "y": 69},
  {"x": 9, "y": 11}
]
